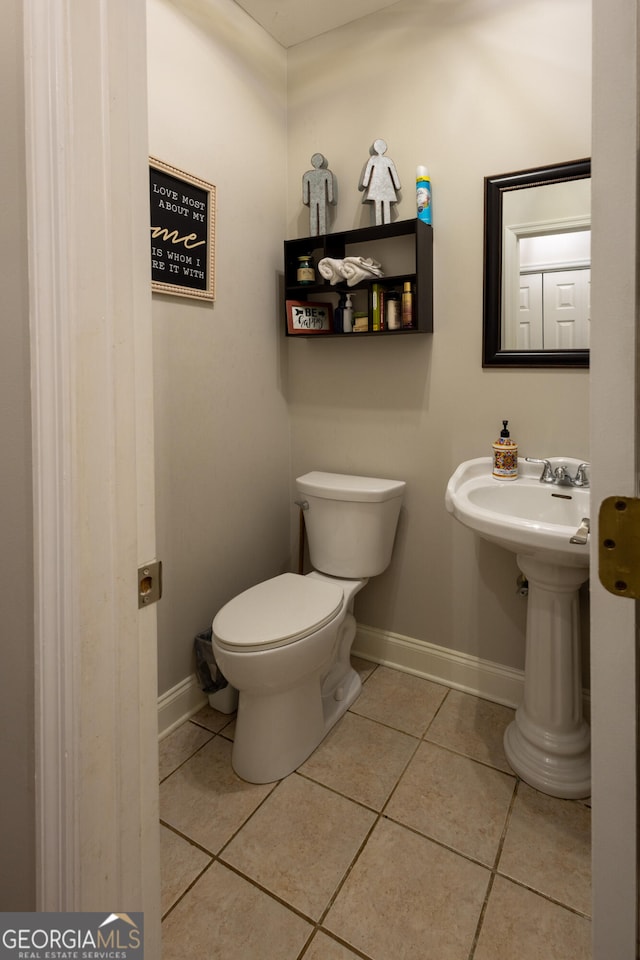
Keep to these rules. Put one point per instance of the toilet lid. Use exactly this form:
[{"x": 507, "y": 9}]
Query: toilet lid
[{"x": 277, "y": 612}]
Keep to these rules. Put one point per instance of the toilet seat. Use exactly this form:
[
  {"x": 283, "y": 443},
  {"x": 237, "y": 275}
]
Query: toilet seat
[{"x": 276, "y": 612}]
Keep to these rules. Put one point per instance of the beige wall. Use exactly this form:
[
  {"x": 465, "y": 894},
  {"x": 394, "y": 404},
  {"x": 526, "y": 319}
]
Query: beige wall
[
  {"x": 470, "y": 89},
  {"x": 17, "y": 797},
  {"x": 217, "y": 109}
]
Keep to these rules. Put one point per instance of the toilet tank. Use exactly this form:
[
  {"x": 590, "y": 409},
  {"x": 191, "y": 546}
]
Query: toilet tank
[{"x": 350, "y": 522}]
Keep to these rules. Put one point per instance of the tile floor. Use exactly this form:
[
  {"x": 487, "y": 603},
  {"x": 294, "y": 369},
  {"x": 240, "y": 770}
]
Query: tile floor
[{"x": 405, "y": 835}]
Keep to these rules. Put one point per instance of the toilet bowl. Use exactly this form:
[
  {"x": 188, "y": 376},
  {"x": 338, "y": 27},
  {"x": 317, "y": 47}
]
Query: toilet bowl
[{"x": 285, "y": 643}]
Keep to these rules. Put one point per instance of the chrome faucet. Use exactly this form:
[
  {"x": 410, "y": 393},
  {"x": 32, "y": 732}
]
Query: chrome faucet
[
  {"x": 581, "y": 479},
  {"x": 561, "y": 475}
]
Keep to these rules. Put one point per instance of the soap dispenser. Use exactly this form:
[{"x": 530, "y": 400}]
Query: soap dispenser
[
  {"x": 505, "y": 455},
  {"x": 347, "y": 316}
]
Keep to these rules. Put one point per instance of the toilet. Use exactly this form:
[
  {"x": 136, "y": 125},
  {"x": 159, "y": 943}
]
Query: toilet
[{"x": 285, "y": 644}]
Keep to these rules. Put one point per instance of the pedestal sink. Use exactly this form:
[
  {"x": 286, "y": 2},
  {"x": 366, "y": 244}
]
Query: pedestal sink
[{"x": 548, "y": 742}]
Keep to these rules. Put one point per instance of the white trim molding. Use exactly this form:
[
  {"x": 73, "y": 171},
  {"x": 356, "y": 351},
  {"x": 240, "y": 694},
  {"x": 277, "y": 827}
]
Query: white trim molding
[
  {"x": 492, "y": 681},
  {"x": 96, "y": 759},
  {"x": 178, "y": 704},
  {"x": 48, "y": 130},
  {"x": 483, "y": 678},
  {"x": 460, "y": 671}
]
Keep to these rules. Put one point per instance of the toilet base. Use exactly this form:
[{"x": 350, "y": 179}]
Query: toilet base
[
  {"x": 291, "y": 696},
  {"x": 336, "y": 702},
  {"x": 275, "y": 735}
]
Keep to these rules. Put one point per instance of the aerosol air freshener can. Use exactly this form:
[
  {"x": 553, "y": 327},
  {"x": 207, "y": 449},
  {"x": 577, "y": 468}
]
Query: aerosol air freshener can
[{"x": 505, "y": 456}]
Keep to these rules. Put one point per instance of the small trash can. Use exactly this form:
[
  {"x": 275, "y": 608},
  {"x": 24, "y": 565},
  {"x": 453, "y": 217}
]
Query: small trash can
[
  {"x": 225, "y": 700},
  {"x": 222, "y": 696}
]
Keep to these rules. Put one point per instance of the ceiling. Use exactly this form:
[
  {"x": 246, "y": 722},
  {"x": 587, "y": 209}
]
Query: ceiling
[{"x": 292, "y": 21}]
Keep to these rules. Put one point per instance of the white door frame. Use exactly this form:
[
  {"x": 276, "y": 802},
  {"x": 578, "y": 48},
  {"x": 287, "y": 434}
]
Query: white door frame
[
  {"x": 97, "y": 830},
  {"x": 614, "y": 453}
]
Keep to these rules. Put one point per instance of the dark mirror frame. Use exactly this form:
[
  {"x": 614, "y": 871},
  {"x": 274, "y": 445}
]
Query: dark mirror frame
[{"x": 494, "y": 189}]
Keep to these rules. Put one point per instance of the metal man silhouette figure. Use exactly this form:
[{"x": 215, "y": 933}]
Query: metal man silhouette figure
[
  {"x": 317, "y": 191},
  {"x": 381, "y": 178}
]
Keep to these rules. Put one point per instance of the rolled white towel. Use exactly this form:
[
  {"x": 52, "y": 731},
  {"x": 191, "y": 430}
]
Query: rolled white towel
[
  {"x": 351, "y": 269},
  {"x": 331, "y": 269},
  {"x": 355, "y": 269}
]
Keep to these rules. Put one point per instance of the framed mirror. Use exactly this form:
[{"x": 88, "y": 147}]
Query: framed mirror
[{"x": 537, "y": 267}]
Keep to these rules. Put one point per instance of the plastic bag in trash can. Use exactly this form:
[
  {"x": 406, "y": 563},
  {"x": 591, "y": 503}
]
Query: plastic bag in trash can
[{"x": 209, "y": 674}]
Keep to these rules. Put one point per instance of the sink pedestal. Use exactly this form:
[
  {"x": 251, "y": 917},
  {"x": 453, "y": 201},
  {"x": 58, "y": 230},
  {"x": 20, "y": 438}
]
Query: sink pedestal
[{"x": 548, "y": 742}]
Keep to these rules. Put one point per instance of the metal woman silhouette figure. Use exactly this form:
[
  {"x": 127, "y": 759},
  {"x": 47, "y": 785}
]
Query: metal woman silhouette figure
[{"x": 380, "y": 180}]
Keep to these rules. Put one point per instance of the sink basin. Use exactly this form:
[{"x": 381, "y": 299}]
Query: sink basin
[{"x": 532, "y": 519}]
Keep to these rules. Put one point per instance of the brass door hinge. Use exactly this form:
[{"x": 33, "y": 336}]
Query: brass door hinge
[
  {"x": 619, "y": 546},
  {"x": 149, "y": 583}
]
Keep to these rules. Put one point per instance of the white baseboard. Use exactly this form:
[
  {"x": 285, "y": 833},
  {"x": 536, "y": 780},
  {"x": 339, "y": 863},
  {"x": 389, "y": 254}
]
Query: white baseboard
[
  {"x": 486, "y": 679},
  {"x": 178, "y": 704},
  {"x": 483, "y": 678},
  {"x": 459, "y": 670}
]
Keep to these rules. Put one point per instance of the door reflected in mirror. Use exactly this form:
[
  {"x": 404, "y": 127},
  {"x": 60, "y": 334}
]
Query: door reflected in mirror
[{"x": 537, "y": 267}]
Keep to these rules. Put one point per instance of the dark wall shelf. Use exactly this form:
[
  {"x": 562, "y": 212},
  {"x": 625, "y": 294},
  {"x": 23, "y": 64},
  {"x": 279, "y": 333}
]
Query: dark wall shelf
[{"x": 411, "y": 257}]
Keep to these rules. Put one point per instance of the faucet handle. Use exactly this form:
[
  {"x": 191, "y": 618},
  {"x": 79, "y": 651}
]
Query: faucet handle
[
  {"x": 581, "y": 479},
  {"x": 547, "y": 472},
  {"x": 582, "y": 533}
]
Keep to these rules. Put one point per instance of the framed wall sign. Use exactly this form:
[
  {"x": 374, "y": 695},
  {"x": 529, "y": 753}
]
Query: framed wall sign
[
  {"x": 305, "y": 318},
  {"x": 183, "y": 218}
]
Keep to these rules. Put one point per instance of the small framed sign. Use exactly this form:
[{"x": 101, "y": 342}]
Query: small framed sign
[
  {"x": 306, "y": 318},
  {"x": 183, "y": 217}
]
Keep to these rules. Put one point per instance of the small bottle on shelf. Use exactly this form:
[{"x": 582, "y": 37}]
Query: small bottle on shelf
[
  {"x": 407, "y": 306},
  {"x": 305, "y": 272},
  {"x": 347, "y": 316},
  {"x": 392, "y": 315}
]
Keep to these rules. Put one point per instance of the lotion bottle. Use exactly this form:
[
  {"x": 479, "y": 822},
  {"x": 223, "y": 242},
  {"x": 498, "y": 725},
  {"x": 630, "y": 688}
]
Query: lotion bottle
[
  {"x": 505, "y": 456},
  {"x": 393, "y": 316},
  {"x": 347, "y": 316}
]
